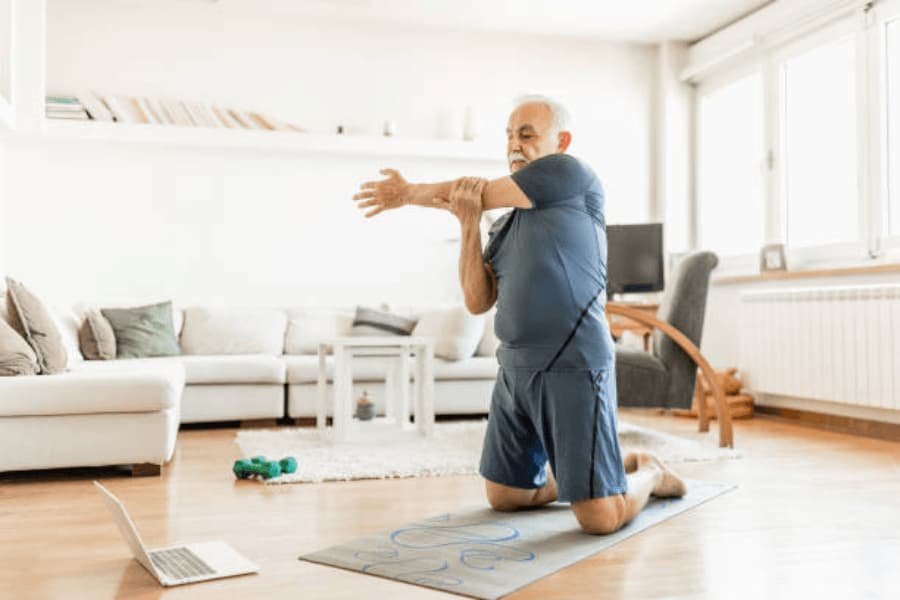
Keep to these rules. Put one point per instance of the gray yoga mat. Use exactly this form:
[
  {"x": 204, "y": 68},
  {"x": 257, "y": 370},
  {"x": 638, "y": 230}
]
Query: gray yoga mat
[{"x": 486, "y": 554}]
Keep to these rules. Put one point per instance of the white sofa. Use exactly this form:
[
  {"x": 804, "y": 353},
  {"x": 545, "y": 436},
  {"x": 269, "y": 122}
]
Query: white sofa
[{"x": 237, "y": 364}]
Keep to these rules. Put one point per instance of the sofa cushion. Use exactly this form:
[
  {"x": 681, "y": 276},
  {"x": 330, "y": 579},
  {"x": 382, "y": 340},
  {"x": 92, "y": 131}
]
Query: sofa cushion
[
  {"x": 233, "y": 368},
  {"x": 143, "y": 331},
  {"x": 16, "y": 356},
  {"x": 475, "y": 367},
  {"x": 305, "y": 368},
  {"x": 96, "y": 337},
  {"x": 456, "y": 331},
  {"x": 489, "y": 342},
  {"x": 307, "y": 327},
  {"x": 125, "y": 388},
  {"x": 233, "y": 331},
  {"x": 31, "y": 319}
]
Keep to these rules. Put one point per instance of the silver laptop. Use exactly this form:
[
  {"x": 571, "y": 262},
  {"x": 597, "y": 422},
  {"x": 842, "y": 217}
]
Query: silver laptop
[{"x": 175, "y": 565}]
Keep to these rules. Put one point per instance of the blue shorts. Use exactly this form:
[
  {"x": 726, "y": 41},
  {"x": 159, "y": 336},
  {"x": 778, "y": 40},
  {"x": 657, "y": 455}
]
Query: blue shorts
[{"x": 566, "y": 417}]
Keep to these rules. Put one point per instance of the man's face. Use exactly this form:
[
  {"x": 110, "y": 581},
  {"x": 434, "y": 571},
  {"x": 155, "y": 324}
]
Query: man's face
[{"x": 530, "y": 135}]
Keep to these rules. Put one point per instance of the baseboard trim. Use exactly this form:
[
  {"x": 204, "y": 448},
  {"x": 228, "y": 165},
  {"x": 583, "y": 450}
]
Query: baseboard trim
[{"x": 838, "y": 423}]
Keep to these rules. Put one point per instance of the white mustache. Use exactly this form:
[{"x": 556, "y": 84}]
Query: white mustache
[{"x": 514, "y": 156}]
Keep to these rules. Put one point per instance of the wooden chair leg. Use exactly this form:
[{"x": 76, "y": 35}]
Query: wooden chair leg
[
  {"x": 146, "y": 470},
  {"x": 700, "y": 403}
]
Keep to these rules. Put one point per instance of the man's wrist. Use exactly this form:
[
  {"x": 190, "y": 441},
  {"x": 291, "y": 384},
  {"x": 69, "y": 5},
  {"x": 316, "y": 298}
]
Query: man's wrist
[
  {"x": 471, "y": 224},
  {"x": 409, "y": 197}
]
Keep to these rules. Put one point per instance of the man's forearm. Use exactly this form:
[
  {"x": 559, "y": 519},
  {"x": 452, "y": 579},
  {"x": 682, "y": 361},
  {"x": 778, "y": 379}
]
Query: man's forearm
[
  {"x": 423, "y": 194},
  {"x": 478, "y": 284}
]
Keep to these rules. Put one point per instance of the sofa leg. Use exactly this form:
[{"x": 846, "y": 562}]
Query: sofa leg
[
  {"x": 259, "y": 423},
  {"x": 146, "y": 470}
]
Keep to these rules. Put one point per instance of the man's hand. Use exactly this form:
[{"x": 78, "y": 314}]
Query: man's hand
[
  {"x": 465, "y": 199},
  {"x": 392, "y": 192}
]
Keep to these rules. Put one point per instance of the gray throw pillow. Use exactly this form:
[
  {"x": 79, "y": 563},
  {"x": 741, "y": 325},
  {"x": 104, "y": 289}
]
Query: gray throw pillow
[
  {"x": 96, "y": 337},
  {"x": 143, "y": 331},
  {"x": 369, "y": 321},
  {"x": 32, "y": 321},
  {"x": 16, "y": 356}
]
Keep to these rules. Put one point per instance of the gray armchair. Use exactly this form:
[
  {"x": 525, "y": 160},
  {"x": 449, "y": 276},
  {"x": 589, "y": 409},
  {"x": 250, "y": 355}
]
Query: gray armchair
[{"x": 665, "y": 377}]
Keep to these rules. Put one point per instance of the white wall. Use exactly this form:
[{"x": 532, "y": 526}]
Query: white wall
[{"x": 125, "y": 223}]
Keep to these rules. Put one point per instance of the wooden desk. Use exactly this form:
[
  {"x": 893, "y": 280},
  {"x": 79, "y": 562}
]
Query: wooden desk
[{"x": 619, "y": 324}]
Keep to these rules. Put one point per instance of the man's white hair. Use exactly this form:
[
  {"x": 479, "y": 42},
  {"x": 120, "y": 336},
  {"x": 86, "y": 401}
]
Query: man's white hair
[{"x": 562, "y": 121}]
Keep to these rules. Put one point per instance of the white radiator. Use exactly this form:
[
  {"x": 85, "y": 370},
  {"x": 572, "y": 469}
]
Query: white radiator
[{"x": 839, "y": 344}]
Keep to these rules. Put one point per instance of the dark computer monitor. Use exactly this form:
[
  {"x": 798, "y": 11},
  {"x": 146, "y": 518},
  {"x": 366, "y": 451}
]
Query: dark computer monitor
[{"x": 635, "y": 258}]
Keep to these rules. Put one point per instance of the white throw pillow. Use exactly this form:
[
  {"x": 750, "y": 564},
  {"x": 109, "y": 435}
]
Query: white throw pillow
[
  {"x": 68, "y": 321},
  {"x": 455, "y": 330},
  {"x": 489, "y": 342},
  {"x": 307, "y": 327},
  {"x": 233, "y": 331}
]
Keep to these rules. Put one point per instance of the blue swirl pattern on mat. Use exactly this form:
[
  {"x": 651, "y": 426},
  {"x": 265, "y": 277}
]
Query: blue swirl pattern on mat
[{"x": 483, "y": 547}]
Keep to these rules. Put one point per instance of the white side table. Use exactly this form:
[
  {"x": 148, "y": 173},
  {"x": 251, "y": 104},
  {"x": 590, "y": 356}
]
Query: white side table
[{"x": 398, "y": 350}]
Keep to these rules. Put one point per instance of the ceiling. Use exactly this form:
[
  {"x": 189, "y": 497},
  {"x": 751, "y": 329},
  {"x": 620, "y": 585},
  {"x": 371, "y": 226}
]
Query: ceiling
[{"x": 620, "y": 20}]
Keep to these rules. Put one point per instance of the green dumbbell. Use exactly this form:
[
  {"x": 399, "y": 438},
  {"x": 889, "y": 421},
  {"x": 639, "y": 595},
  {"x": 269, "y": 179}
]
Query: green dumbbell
[
  {"x": 287, "y": 464},
  {"x": 247, "y": 468}
]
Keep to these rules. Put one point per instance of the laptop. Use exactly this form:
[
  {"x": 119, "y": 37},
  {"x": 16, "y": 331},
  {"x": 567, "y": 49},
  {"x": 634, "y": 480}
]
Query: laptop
[{"x": 175, "y": 565}]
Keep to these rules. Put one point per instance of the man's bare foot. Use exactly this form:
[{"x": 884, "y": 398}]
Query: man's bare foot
[{"x": 670, "y": 485}]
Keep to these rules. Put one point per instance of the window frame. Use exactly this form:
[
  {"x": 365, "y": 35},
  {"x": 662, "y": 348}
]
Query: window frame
[
  {"x": 710, "y": 85},
  {"x": 814, "y": 255},
  {"x": 883, "y": 243},
  {"x": 874, "y": 244}
]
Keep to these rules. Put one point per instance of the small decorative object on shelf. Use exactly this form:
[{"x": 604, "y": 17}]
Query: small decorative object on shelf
[
  {"x": 388, "y": 128},
  {"x": 771, "y": 258},
  {"x": 340, "y": 130},
  {"x": 365, "y": 408}
]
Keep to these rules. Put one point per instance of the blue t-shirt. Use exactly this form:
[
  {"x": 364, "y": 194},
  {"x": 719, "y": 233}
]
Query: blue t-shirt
[{"x": 550, "y": 263}]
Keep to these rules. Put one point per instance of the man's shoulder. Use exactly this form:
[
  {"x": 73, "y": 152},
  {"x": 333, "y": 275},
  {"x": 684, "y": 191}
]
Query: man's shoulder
[{"x": 566, "y": 165}]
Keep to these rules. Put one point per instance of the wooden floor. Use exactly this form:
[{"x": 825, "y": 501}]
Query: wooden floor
[{"x": 817, "y": 515}]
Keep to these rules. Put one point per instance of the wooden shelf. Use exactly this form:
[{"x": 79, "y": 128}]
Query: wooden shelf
[{"x": 273, "y": 141}]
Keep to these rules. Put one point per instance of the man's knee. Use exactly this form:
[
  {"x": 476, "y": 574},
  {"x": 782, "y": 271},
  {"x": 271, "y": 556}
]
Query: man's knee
[{"x": 600, "y": 516}]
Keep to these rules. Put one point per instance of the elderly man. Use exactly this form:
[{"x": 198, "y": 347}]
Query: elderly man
[{"x": 545, "y": 267}]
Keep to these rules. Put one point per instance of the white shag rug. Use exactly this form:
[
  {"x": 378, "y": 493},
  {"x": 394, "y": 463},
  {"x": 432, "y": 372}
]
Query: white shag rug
[{"x": 455, "y": 449}]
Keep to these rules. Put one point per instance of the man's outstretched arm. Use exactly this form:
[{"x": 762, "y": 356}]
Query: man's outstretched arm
[{"x": 395, "y": 192}]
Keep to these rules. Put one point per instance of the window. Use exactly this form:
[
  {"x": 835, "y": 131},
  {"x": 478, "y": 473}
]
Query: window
[
  {"x": 731, "y": 184},
  {"x": 893, "y": 116},
  {"x": 820, "y": 138}
]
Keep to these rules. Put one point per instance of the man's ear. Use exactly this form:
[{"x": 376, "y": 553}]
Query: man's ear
[{"x": 565, "y": 139}]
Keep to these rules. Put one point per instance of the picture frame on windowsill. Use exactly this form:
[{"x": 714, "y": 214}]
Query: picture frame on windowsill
[{"x": 772, "y": 258}]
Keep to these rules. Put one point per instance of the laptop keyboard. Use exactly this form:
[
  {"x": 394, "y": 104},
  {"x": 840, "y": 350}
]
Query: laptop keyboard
[{"x": 180, "y": 563}]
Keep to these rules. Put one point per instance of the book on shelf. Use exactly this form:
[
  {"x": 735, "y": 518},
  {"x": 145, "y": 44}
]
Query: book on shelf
[
  {"x": 261, "y": 121},
  {"x": 72, "y": 116},
  {"x": 94, "y": 105},
  {"x": 153, "y": 116},
  {"x": 240, "y": 118},
  {"x": 64, "y": 107},
  {"x": 124, "y": 109},
  {"x": 89, "y": 105},
  {"x": 224, "y": 118}
]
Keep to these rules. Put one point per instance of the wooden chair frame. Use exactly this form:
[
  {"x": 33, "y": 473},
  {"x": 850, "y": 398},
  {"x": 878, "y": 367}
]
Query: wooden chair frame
[{"x": 726, "y": 433}]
